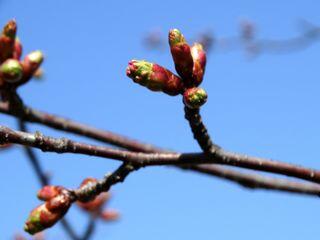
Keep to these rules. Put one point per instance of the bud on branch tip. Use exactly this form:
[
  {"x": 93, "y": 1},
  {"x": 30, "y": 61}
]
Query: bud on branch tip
[
  {"x": 154, "y": 77},
  {"x": 181, "y": 54},
  {"x": 194, "y": 97},
  {"x": 11, "y": 71}
]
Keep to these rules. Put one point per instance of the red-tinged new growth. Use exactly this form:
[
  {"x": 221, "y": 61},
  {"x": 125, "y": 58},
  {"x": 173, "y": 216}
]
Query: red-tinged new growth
[
  {"x": 31, "y": 64},
  {"x": 50, "y": 212},
  {"x": 110, "y": 215},
  {"x": 48, "y": 192},
  {"x": 181, "y": 54},
  {"x": 194, "y": 97},
  {"x": 199, "y": 63},
  {"x": 5, "y": 146},
  {"x": 154, "y": 77},
  {"x": 97, "y": 203},
  {"x": 17, "y": 49},
  {"x": 7, "y": 40},
  {"x": 11, "y": 71}
]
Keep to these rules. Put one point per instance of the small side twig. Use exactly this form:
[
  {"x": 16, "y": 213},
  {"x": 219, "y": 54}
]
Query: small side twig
[
  {"x": 199, "y": 130},
  {"x": 90, "y": 191}
]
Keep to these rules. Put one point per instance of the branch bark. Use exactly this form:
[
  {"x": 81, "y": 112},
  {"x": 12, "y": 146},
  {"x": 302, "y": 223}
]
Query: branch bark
[{"x": 63, "y": 145}]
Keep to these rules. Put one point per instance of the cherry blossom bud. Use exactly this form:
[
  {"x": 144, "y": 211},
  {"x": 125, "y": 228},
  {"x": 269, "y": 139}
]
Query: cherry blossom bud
[
  {"x": 17, "y": 49},
  {"x": 48, "y": 192},
  {"x": 7, "y": 40},
  {"x": 11, "y": 71},
  {"x": 195, "y": 97},
  {"x": 154, "y": 77},
  {"x": 48, "y": 213},
  {"x": 181, "y": 54},
  {"x": 110, "y": 215},
  {"x": 199, "y": 65},
  {"x": 30, "y": 65}
]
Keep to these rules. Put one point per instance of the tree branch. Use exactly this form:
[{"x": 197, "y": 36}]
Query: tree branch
[
  {"x": 220, "y": 156},
  {"x": 255, "y": 181},
  {"x": 66, "y": 125}
]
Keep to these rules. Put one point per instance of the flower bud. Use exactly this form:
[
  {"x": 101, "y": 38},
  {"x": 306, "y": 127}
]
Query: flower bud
[
  {"x": 7, "y": 40},
  {"x": 110, "y": 215},
  {"x": 48, "y": 192},
  {"x": 154, "y": 77},
  {"x": 97, "y": 203},
  {"x": 194, "y": 97},
  {"x": 199, "y": 63},
  {"x": 30, "y": 65},
  {"x": 17, "y": 49},
  {"x": 11, "y": 71},
  {"x": 181, "y": 54},
  {"x": 48, "y": 213}
]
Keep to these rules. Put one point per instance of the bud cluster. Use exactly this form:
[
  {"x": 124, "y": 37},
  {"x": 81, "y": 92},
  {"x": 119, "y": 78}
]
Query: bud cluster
[
  {"x": 57, "y": 202},
  {"x": 190, "y": 63},
  {"x": 14, "y": 71}
]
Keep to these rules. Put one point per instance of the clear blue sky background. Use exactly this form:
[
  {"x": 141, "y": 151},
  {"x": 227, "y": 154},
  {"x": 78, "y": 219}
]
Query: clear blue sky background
[{"x": 266, "y": 107}]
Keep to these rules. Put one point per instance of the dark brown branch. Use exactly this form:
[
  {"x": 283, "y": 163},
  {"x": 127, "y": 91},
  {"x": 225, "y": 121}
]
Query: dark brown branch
[
  {"x": 35, "y": 163},
  {"x": 220, "y": 156},
  {"x": 108, "y": 137},
  {"x": 90, "y": 191},
  {"x": 64, "y": 124},
  {"x": 199, "y": 130}
]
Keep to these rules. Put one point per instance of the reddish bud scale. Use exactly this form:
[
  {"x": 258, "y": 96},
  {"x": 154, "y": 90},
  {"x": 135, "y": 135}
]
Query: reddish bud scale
[
  {"x": 110, "y": 215},
  {"x": 97, "y": 203},
  {"x": 30, "y": 65},
  {"x": 5, "y": 146},
  {"x": 48, "y": 213},
  {"x": 7, "y": 40},
  {"x": 194, "y": 97},
  {"x": 17, "y": 49},
  {"x": 154, "y": 77},
  {"x": 48, "y": 192},
  {"x": 199, "y": 59},
  {"x": 181, "y": 54}
]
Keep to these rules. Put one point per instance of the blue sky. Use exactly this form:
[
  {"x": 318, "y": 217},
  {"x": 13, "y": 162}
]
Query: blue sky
[{"x": 266, "y": 107}]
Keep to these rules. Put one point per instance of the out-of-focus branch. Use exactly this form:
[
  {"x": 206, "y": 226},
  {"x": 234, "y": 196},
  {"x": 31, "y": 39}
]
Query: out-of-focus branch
[
  {"x": 255, "y": 181},
  {"x": 247, "y": 40}
]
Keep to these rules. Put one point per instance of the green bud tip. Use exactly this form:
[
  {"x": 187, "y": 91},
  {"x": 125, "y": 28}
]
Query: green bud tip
[
  {"x": 11, "y": 70},
  {"x": 139, "y": 71},
  {"x": 10, "y": 29},
  {"x": 33, "y": 224},
  {"x": 195, "y": 97},
  {"x": 175, "y": 37},
  {"x": 36, "y": 57}
]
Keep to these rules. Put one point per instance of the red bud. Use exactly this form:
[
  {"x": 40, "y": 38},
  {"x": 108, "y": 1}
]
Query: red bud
[
  {"x": 181, "y": 55},
  {"x": 154, "y": 77}
]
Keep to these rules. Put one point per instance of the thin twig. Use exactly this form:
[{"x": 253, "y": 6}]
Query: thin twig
[{"x": 199, "y": 130}]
